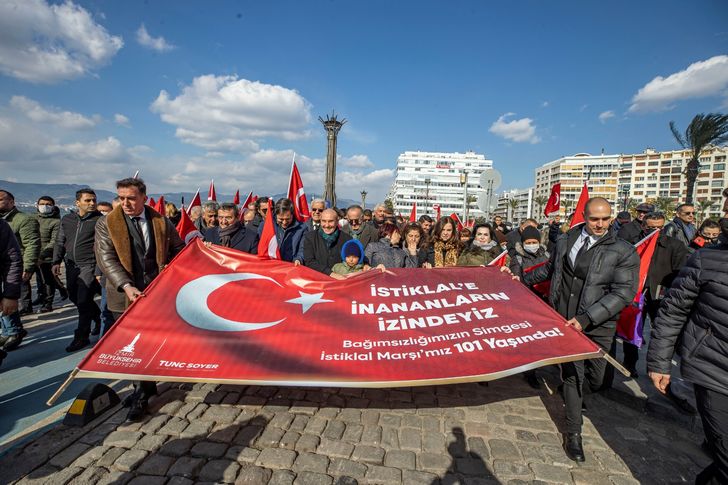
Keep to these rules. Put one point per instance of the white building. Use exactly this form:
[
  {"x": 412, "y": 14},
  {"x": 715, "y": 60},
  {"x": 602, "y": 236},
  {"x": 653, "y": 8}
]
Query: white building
[
  {"x": 429, "y": 178},
  {"x": 525, "y": 209}
]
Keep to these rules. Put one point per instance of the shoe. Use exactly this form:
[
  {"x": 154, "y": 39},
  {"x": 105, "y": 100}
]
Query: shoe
[
  {"x": 45, "y": 309},
  {"x": 78, "y": 344},
  {"x": 63, "y": 293},
  {"x": 137, "y": 410},
  {"x": 533, "y": 380},
  {"x": 25, "y": 311},
  {"x": 3, "y": 354},
  {"x": 14, "y": 341},
  {"x": 573, "y": 447}
]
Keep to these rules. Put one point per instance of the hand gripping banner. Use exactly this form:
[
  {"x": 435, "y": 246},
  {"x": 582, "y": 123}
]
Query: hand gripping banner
[{"x": 219, "y": 315}]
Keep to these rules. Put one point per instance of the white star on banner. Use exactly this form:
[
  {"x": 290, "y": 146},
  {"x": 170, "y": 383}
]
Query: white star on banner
[{"x": 307, "y": 300}]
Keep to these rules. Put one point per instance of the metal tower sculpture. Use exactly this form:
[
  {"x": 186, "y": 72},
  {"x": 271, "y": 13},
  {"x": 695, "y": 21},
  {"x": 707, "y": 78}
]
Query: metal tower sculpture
[{"x": 332, "y": 126}]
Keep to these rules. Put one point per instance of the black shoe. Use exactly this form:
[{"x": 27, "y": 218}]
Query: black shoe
[
  {"x": 25, "y": 311},
  {"x": 137, "y": 410},
  {"x": 573, "y": 448},
  {"x": 63, "y": 293},
  {"x": 14, "y": 341},
  {"x": 96, "y": 330},
  {"x": 78, "y": 344},
  {"x": 533, "y": 380},
  {"x": 3, "y": 354},
  {"x": 45, "y": 309}
]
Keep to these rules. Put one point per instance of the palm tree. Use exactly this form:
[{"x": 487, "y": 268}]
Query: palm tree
[
  {"x": 664, "y": 204},
  {"x": 567, "y": 203},
  {"x": 513, "y": 204},
  {"x": 703, "y": 130},
  {"x": 540, "y": 202},
  {"x": 703, "y": 206}
]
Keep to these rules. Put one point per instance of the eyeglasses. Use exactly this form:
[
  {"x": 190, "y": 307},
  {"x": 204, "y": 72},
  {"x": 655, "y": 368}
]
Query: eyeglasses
[
  {"x": 317, "y": 210},
  {"x": 354, "y": 222},
  {"x": 689, "y": 213}
]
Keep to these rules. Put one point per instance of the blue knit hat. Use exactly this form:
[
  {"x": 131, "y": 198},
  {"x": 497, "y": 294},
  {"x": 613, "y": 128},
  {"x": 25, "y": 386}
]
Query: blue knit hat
[{"x": 352, "y": 247}]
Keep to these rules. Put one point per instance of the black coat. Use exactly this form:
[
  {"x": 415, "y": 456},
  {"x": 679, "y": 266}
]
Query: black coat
[
  {"x": 246, "y": 239},
  {"x": 610, "y": 286},
  {"x": 695, "y": 312},
  {"x": 317, "y": 255},
  {"x": 11, "y": 263},
  {"x": 75, "y": 241},
  {"x": 670, "y": 256},
  {"x": 631, "y": 232}
]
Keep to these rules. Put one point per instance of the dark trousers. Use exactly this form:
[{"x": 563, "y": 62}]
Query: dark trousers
[
  {"x": 713, "y": 409},
  {"x": 25, "y": 303},
  {"x": 631, "y": 352},
  {"x": 579, "y": 376},
  {"x": 46, "y": 284},
  {"x": 82, "y": 287},
  {"x": 142, "y": 389}
]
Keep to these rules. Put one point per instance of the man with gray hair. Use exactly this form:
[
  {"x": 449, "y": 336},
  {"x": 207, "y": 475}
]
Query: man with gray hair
[
  {"x": 379, "y": 215},
  {"x": 357, "y": 229},
  {"x": 317, "y": 208},
  {"x": 209, "y": 216}
]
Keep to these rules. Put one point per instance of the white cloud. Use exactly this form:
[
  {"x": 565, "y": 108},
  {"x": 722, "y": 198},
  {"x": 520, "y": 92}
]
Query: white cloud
[
  {"x": 355, "y": 161},
  {"x": 545, "y": 104},
  {"x": 121, "y": 120},
  {"x": 34, "y": 111},
  {"x": 224, "y": 113},
  {"x": 699, "y": 80},
  {"x": 44, "y": 43},
  {"x": 519, "y": 131},
  {"x": 158, "y": 44},
  {"x": 605, "y": 115}
]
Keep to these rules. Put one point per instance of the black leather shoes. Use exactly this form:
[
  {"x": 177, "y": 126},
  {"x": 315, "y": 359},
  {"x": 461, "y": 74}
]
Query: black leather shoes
[
  {"x": 78, "y": 344},
  {"x": 137, "y": 409},
  {"x": 572, "y": 447}
]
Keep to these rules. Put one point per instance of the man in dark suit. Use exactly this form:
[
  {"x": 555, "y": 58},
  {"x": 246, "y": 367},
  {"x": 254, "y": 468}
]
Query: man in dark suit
[
  {"x": 133, "y": 244},
  {"x": 322, "y": 248},
  {"x": 231, "y": 233},
  {"x": 593, "y": 277}
]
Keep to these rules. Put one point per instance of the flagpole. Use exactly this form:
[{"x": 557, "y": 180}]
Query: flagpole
[
  {"x": 290, "y": 177},
  {"x": 63, "y": 387},
  {"x": 614, "y": 362},
  {"x": 136, "y": 174}
]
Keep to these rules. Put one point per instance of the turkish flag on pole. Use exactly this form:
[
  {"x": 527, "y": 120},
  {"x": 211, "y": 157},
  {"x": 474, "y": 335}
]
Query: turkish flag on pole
[
  {"x": 629, "y": 325},
  {"x": 413, "y": 213},
  {"x": 185, "y": 224},
  {"x": 244, "y": 207},
  {"x": 224, "y": 316},
  {"x": 211, "y": 195},
  {"x": 160, "y": 206},
  {"x": 437, "y": 212},
  {"x": 578, "y": 217},
  {"x": 236, "y": 199},
  {"x": 554, "y": 202},
  {"x": 151, "y": 202},
  {"x": 500, "y": 260},
  {"x": 457, "y": 220},
  {"x": 195, "y": 202},
  {"x": 297, "y": 195},
  {"x": 268, "y": 245}
]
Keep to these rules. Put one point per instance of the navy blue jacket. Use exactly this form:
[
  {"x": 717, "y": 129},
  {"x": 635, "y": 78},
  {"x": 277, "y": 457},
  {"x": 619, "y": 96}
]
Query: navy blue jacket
[
  {"x": 290, "y": 240},
  {"x": 243, "y": 240}
]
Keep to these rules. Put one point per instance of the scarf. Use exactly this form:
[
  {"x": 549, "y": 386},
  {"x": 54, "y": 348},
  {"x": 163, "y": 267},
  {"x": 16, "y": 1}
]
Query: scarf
[
  {"x": 227, "y": 233},
  {"x": 486, "y": 247},
  {"x": 446, "y": 253},
  {"x": 687, "y": 229},
  {"x": 329, "y": 239}
]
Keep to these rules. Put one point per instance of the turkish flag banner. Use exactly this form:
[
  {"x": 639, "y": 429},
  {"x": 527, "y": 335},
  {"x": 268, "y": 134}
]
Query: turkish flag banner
[
  {"x": 554, "y": 202},
  {"x": 297, "y": 195},
  {"x": 222, "y": 316},
  {"x": 578, "y": 216}
]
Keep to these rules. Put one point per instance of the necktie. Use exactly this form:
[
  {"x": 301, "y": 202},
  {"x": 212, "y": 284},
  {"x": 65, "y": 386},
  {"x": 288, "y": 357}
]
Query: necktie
[
  {"x": 583, "y": 249},
  {"x": 138, "y": 227}
]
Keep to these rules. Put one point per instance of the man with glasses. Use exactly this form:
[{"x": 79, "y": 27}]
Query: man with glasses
[
  {"x": 317, "y": 208},
  {"x": 682, "y": 226},
  {"x": 231, "y": 233},
  {"x": 289, "y": 231},
  {"x": 357, "y": 229}
]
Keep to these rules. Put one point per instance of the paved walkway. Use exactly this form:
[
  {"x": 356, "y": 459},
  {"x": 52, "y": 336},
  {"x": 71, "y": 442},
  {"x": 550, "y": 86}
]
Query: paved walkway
[{"x": 504, "y": 432}]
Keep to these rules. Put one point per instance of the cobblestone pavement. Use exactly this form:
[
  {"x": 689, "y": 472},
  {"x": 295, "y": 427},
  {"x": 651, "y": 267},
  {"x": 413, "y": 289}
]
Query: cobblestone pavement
[{"x": 504, "y": 432}]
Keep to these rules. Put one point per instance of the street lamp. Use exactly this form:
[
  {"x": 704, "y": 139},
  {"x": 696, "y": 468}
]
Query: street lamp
[
  {"x": 427, "y": 194},
  {"x": 363, "y": 199},
  {"x": 625, "y": 195},
  {"x": 464, "y": 183}
]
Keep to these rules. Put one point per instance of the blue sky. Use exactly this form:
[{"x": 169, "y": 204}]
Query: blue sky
[{"x": 230, "y": 90}]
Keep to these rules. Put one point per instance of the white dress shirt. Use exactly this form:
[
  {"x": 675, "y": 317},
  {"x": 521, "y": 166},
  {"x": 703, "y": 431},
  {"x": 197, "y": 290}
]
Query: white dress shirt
[
  {"x": 145, "y": 227},
  {"x": 580, "y": 242}
]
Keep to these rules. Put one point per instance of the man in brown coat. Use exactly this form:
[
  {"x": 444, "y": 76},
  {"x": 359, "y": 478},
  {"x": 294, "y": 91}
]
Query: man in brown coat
[{"x": 133, "y": 244}]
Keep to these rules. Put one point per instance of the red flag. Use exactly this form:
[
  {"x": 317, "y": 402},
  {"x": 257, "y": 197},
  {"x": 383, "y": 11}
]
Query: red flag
[
  {"x": 236, "y": 199},
  {"x": 268, "y": 245},
  {"x": 196, "y": 201},
  {"x": 297, "y": 195},
  {"x": 629, "y": 325},
  {"x": 221, "y": 315},
  {"x": 457, "y": 220},
  {"x": 578, "y": 216},
  {"x": 185, "y": 224},
  {"x": 542, "y": 288},
  {"x": 554, "y": 202},
  {"x": 413, "y": 214},
  {"x": 160, "y": 206},
  {"x": 151, "y": 202},
  {"x": 211, "y": 195},
  {"x": 244, "y": 207},
  {"x": 437, "y": 212},
  {"x": 500, "y": 260}
]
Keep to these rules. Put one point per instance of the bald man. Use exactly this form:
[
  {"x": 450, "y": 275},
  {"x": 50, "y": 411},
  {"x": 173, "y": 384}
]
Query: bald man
[
  {"x": 593, "y": 277},
  {"x": 322, "y": 247}
]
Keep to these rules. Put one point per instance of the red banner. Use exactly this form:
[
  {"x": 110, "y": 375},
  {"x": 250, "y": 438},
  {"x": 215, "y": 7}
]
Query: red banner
[
  {"x": 219, "y": 315},
  {"x": 554, "y": 202}
]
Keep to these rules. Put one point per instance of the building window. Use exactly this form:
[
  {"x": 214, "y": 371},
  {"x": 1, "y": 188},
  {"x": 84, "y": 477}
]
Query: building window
[{"x": 719, "y": 166}]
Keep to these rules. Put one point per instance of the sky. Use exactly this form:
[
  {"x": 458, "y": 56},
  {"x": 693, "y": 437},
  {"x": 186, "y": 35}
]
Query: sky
[{"x": 91, "y": 91}]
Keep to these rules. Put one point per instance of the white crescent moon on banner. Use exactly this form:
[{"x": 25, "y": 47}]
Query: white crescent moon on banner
[{"x": 192, "y": 304}]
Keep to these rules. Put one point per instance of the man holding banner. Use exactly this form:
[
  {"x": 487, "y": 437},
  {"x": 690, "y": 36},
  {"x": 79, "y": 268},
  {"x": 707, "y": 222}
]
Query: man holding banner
[
  {"x": 593, "y": 277},
  {"x": 133, "y": 244}
]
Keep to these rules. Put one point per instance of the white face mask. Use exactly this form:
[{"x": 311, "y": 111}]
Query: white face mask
[
  {"x": 104, "y": 213},
  {"x": 45, "y": 209},
  {"x": 531, "y": 248}
]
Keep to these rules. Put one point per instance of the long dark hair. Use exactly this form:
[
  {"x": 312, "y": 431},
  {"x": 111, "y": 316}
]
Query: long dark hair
[
  {"x": 437, "y": 230},
  {"x": 414, "y": 226}
]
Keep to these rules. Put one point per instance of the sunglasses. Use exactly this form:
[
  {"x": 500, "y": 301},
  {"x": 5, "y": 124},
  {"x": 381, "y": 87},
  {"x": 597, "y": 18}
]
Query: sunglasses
[
  {"x": 354, "y": 222},
  {"x": 689, "y": 213},
  {"x": 317, "y": 210}
]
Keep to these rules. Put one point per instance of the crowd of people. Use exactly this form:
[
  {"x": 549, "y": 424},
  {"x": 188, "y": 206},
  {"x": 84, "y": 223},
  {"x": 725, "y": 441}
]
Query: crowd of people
[{"x": 115, "y": 249}]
